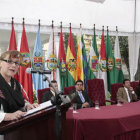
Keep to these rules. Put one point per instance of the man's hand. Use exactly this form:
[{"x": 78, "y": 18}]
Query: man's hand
[
  {"x": 14, "y": 116},
  {"x": 85, "y": 105},
  {"x": 131, "y": 89},
  {"x": 31, "y": 106}
]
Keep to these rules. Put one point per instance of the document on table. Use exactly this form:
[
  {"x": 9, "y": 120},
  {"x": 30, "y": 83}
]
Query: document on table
[{"x": 41, "y": 106}]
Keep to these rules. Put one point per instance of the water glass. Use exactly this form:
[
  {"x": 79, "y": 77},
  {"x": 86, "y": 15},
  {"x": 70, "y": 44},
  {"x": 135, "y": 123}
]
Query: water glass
[
  {"x": 74, "y": 108},
  {"x": 97, "y": 104},
  {"x": 119, "y": 103}
]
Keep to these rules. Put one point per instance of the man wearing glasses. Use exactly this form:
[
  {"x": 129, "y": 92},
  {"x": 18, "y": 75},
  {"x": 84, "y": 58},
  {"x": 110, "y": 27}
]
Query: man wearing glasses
[{"x": 81, "y": 97}]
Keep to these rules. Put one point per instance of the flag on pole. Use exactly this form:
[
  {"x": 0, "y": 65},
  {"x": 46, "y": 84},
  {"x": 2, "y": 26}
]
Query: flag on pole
[
  {"x": 51, "y": 58},
  {"x": 37, "y": 63},
  {"x": 102, "y": 63},
  {"x": 71, "y": 61},
  {"x": 62, "y": 62},
  {"x": 85, "y": 63},
  {"x": 119, "y": 77},
  {"x": 79, "y": 61},
  {"x": 24, "y": 78},
  {"x": 13, "y": 44},
  {"x": 92, "y": 64},
  {"x": 94, "y": 59},
  {"x": 110, "y": 62},
  {"x": 94, "y": 43}
]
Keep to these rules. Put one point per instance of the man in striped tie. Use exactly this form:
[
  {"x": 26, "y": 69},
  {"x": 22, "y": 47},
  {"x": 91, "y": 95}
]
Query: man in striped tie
[{"x": 81, "y": 97}]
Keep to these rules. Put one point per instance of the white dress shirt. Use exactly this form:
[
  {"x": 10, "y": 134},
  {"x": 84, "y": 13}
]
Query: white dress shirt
[
  {"x": 126, "y": 89},
  {"x": 81, "y": 96},
  {"x": 2, "y": 114}
]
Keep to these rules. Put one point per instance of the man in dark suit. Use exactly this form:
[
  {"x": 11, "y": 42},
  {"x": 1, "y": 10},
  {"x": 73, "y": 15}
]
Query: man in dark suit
[
  {"x": 81, "y": 98},
  {"x": 47, "y": 95},
  {"x": 126, "y": 93}
]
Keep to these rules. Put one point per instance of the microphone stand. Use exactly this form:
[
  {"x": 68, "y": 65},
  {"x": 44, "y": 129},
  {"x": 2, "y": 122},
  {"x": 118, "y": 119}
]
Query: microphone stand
[{"x": 56, "y": 100}]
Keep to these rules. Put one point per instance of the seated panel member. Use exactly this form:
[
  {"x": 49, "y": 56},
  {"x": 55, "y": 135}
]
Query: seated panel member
[
  {"x": 126, "y": 94},
  {"x": 47, "y": 95},
  {"x": 82, "y": 100}
]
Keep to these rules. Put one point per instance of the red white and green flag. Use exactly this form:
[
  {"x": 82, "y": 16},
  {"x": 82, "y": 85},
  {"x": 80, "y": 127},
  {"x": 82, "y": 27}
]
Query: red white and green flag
[
  {"x": 102, "y": 63},
  {"x": 118, "y": 62}
]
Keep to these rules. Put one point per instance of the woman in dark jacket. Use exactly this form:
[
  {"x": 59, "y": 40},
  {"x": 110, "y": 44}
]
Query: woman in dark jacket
[{"x": 12, "y": 103}]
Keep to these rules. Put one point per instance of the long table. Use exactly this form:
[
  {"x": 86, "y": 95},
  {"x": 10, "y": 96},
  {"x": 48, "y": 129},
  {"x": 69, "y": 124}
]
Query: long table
[{"x": 108, "y": 123}]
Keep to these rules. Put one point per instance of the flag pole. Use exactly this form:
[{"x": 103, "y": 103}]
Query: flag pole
[
  {"x": 107, "y": 29},
  {"x": 53, "y": 47},
  {"x": 70, "y": 25},
  {"x": 116, "y": 28},
  {"x": 23, "y": 21},
  {"x": 80, "y": 30},
  {"x": 61, "y": 31},
  {"x": 39, "y": 23},
  {"x": 61, "y": 24},
  {"x": 94, "y": 26},
  {"x": 58, "y": 122},
  {"x": 12, "y": 20}
]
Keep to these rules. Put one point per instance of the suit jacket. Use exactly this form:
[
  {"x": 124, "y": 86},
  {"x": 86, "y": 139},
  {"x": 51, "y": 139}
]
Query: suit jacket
[
  {"x": 122, "y": 95},
  {"x": 47, "y": 96},
  {"x": 78, "y": 101}
]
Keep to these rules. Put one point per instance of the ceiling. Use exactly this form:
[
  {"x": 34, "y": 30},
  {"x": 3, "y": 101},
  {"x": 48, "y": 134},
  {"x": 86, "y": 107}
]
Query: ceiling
[{"x": 110, "y": 13}]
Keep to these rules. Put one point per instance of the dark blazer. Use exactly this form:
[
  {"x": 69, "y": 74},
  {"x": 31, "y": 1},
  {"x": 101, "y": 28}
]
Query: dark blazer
[
  {"x": 122, "y": 95},
  {"x": 78, "y": 101},
  {"x": 46, "y": 96}
]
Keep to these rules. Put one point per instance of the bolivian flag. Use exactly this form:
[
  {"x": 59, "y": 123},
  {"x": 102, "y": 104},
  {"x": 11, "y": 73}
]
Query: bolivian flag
[
  {"x": 71, "y": 61},
  {"x": 79, "y": 62}
]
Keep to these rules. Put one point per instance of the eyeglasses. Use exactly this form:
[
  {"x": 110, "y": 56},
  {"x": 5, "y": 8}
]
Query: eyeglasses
[
  {"x": 11, "y": 62},
  {"x": 79, "y": 84}
]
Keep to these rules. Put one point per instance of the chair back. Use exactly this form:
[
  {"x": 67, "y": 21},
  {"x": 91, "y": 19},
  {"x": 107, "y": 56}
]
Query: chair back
[
  {"x": 134, "y": 84},
  {"x": 40, "y": 93},
  {"x": 114, "y": 89},
  {"x": 67, "y": 90},
  {"x": 96, "y": 91}
]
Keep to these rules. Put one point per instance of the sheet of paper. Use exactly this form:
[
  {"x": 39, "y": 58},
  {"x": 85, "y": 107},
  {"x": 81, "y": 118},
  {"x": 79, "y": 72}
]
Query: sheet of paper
[{"x": 41, "y": 106}]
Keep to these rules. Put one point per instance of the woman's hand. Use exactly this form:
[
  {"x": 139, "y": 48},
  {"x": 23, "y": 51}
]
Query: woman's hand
[
  {"x": 31, "y": 106},
  {"x": 14, "y": 116}
]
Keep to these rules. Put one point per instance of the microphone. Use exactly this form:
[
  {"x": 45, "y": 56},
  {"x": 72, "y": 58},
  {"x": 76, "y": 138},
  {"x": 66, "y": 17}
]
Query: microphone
[
  {"x": 60, "y": 98},
  {"x": 68, "y": 98},
  {"x": 30, "y": 70},
  {"x": 72, "y": 96}
]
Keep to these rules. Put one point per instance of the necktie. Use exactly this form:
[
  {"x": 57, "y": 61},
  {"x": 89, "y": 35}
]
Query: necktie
[
  {"x": 81, "y": 96},
  {"x": 129, "y": 93}
]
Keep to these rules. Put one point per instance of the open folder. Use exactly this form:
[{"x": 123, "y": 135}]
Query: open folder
[{"x": 40, "y": 107}]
